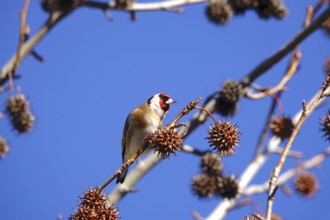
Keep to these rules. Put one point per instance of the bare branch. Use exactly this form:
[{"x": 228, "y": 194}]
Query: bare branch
[
  {"x": 276, "y": 57},
  {"x": 307, "y": 110},
  {"x": 20, "y": 43},
  {"x": 28, "y": 46},
  {"x": 151, "y": 6},
  {"x": 283, "y": 178},
  {"x": 281, "y": 86}
]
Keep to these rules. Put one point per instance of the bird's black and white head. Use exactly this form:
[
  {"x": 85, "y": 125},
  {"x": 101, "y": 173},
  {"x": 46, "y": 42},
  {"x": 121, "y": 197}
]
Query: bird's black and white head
[{"x": 160, "y": 103}]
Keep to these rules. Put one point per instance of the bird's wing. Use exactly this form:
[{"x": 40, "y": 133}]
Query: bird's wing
[{"x": 123, "y": 140}]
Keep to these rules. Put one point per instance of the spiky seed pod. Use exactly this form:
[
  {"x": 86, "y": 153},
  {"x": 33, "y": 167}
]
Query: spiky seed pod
[
  {"x": 4, "y": 148},
  {"x": 16, "y": 104},
  {"x": 306, "y": 184},
  {"x": 325, "y": 123},
  {"x": 204, "y": 186},
  {"x": 211, "y": 164},
  {"x": 327, "y": 65},
  {"x": 230, "y": 93},
  {"x": 218, "y": 11},
  {"x": 165, "y": 142},
  {"x": 57, "y": 5},
  {"x": 267, "y": 9},
  {"x": 23, "y": 122},
  {"x": 280, "y": 12},
  {"x": 93, "y": 206},
  {"x": 282, "y": 127},
  {"x": 228, "y": 187},
  {"x": 240, "y": 6},
  {"x": 275, "y": 217},
  {"x": 124, "y": 3},
  {"x": 223, "y": 136},
  {"x": 326, "y": 27}
]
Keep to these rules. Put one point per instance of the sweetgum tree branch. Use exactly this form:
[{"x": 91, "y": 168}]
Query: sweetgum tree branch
[
  {"x": 283, "y": 178},
  {"x": 306, "y": 111},
  {"x": 276, "y": 57},
  {"x": 252, "y": 169},
  {"x": 28, "y": 46},
  {"x": 58, "y": 15},
  {"x": 151, "y": 6}
]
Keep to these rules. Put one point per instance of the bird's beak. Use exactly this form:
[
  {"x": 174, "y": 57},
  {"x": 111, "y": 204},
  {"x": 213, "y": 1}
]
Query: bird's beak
[{"x": 170, "y": 101}]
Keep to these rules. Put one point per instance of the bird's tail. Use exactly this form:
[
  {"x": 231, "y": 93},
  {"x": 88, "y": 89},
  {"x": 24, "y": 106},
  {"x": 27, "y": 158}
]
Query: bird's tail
[{"x": 122, "y": 176}]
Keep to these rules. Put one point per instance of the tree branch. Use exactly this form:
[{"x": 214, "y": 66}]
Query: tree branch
[
  {"x": 306, "y": 111},
  {"x": 30, "y": 44},
  {"x": 283, "y": 178},
  {"x": 281, "y": 85},
  {"x": 249, "y": 173},
  {"x": 150, "y": 6},
  {"x": 276, "y": 57}
]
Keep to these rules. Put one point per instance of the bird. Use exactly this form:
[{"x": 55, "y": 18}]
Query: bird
[{"x": 140, "y": 122}]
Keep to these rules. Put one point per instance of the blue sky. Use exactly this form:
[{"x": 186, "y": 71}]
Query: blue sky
[{"x": 96, "y": 71}]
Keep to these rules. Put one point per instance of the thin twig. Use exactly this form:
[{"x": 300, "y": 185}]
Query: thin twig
[
  {"x": 283, "y": 178},
  {"x": 28, "y": 46},
  {"x": 276, "y": 57},
  {"x": 251, "y": 171},
  {"x": 291, "y": 153},
  {"x": 20, "y": 43},
  {"x": 307, "y": 110},
  {"x": 281, "y": 86},
  {"x": 192, "y": 150}
]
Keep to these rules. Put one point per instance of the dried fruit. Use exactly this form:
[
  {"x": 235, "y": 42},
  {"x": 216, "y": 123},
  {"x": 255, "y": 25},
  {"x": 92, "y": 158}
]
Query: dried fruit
[
  {"x": 325, "y": 123},
  {"x": 211, "y": 164},
  {"x": 205, "y": 186},
  {"x": 218, "y": 11},
  {"x": 223, "y": 136},
  {"x": 306, "y": 184},
  {"x": 93, "y": 206},
  {"x": 228, "y": 187},
  {"x": 165, "y": 141},
  {"x": 282, "y": 127}
]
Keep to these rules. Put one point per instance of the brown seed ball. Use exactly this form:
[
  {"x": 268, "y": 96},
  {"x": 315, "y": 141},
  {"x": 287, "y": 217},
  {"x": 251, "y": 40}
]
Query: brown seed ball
[
  {"x": 282, "y": 127},
  {"x": 204, "y": 186},
  {"x": 325, "y": 125},
  {"x": 23, "y": 122},
  {"x": 306, "y": 184},
  {"x": 228, "y": 187},
  {"x": 240, "y": 6},
  {"x": 16, "y": 104},
  {"x": 227, "y": 101},
  {"x": 211, "y": 164},
  {"x": 270, "y": 8},
  {"x": 4, "y": 148},
  {"x": 165, "y": 142},
  {"x": 218, "y": 11},
  {"x": 275, "y": 217},
  {"x": 223, "y": 136},
  {"x": 93, "y": 206}
]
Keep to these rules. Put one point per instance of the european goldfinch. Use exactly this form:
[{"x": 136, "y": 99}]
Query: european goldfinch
[{"x": 141, "y": 122}]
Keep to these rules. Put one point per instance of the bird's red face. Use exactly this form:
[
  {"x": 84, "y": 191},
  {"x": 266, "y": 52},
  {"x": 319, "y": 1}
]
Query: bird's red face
[{"x": 165, "y": 101}]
